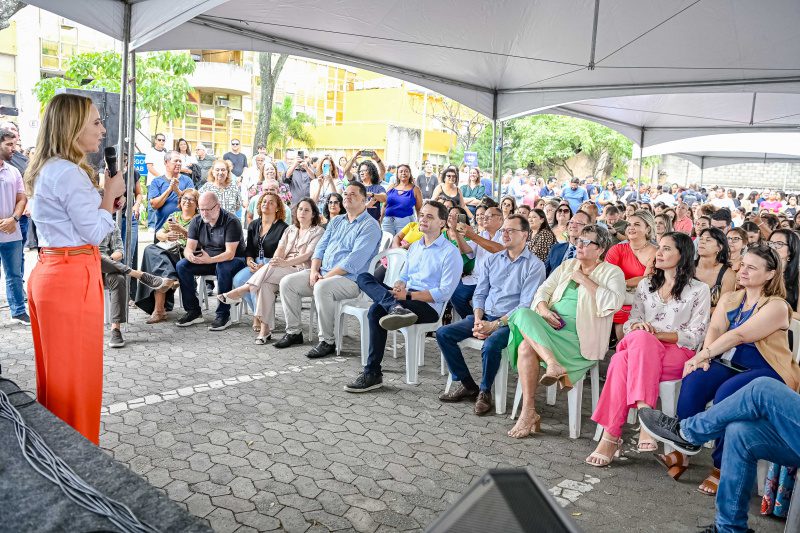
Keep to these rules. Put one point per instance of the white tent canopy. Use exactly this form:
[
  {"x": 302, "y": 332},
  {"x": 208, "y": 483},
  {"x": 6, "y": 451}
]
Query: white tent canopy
[
  {"x": 504, "y": 58},
  {"x": 722, "y": 150}
]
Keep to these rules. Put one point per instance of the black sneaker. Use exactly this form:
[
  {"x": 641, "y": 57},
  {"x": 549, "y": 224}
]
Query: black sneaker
[
  {"x": 666, "y": 429},
  {"x": 210, "y": 288},
  {"x": 220, "y": 323},
  {"x": 191, "y": 317},
  {"x": 289, "y": 339},
  {"x": 365, "y": 382},
  {"x": 154, "y": 282},
  {"x": 398, "y": 317},
  {"x": 321, "y": 350},
  {"x": 116, "y": 339},
  {"x": 23, "y": 319}
]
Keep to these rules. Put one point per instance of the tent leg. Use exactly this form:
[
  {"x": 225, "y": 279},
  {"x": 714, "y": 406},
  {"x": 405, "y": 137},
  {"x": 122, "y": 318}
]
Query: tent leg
[
  {"x": 641, "y": 162},
  {"x": 494, "y": 155},
  {"x": 498, "y": 175}
]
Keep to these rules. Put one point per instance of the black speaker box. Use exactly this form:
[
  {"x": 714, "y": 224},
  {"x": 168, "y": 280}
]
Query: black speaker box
[{"x": 508, "y": 501}]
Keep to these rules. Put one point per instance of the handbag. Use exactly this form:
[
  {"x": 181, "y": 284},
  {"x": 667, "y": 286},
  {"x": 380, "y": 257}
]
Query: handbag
[{"x": 173, "y": 250}]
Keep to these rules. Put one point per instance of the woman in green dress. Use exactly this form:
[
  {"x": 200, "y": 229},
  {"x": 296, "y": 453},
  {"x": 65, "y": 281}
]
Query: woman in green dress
[{"x": 586, "y": 291}]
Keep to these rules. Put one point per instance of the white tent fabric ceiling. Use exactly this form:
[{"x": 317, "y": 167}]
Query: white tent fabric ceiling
[
  {"x": 514, "y": 57},
  {"x": 722, "y": 150}
]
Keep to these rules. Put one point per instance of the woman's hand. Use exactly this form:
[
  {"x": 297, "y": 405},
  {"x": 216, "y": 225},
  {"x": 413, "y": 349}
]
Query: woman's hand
[
  {"x": 113, "y": 186},
  {"x": 548, "y": 316},
  {"x": 698, "y": 361},
  {"x": 579, "y": 277},
  {"x": 173, "y": 236},
  {"x": 277, "y": 261}
]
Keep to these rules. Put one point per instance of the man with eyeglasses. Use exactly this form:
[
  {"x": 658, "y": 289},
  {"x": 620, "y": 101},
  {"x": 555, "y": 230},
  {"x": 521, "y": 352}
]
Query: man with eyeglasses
[
  {"x": 237, "y": 159},
  {"x": 561, "y": 251},
  {"x": 508, "y": 281},
  {"x": 214, "y": 247},
  {"x": 428, "y": 279},
  {"x": 488, "y": 242},
  {"x": 155, "y": 158},
  {"x": 344, "y": 252},
  {"x": 165, "y": 191}
]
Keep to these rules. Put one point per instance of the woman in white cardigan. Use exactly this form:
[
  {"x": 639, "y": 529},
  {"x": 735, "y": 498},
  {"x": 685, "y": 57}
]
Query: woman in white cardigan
[{"x": 585, "y": 291}]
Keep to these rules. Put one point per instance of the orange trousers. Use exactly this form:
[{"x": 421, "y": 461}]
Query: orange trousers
[{"x": 65, "y": 297}]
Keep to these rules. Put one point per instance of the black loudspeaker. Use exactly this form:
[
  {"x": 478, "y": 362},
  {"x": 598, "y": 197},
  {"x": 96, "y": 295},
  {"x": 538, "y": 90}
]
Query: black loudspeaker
[
  {"x": 511, "y": 501},
  {"x": 108, "y": 105}
]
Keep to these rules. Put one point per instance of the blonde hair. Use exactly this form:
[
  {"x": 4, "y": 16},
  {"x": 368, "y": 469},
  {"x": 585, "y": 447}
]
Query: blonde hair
[
  {"x": 649, "y": 220},
  {"x": 228, "y": 166},
  {"x": 64, "y": 119}
]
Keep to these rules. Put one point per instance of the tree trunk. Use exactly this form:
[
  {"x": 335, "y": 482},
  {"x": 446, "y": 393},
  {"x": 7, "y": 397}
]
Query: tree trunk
[
  {"x": 269, "y": 80},
  {"x": 8, "y": 8}
]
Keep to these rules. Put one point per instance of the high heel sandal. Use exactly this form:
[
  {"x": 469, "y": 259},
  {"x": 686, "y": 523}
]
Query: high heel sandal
[
  {"x": 224, "y": 298},
  {"x": 675, "y": 462},
  {"x": 535, "y": 427},
  {"x": 550, "y": 378},
  {"x": 605, "y": 460}
]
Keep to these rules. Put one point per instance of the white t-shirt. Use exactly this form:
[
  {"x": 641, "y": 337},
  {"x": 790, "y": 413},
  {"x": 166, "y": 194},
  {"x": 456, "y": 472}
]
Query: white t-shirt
[
  {"x": 726, "y": 202},
  {"x": 156, "y": 158},
  {"x": 665, "y": 198}
]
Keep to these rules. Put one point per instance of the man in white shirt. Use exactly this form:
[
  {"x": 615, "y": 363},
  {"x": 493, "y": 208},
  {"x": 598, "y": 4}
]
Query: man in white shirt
[
  {"x": 721, "y": 200},
  {"x": 12, "y": 205},
  {"x": 155, "y": 158}
]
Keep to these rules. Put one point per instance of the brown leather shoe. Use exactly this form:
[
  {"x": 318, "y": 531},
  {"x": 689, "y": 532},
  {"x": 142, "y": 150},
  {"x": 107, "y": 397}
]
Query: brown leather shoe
[
  {"x": 458, "y": 392},
  {"x": 484, "y": 403}
]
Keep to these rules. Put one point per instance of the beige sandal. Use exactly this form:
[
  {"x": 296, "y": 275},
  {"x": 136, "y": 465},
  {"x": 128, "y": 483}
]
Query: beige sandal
[{"x": 605, "y": 460}]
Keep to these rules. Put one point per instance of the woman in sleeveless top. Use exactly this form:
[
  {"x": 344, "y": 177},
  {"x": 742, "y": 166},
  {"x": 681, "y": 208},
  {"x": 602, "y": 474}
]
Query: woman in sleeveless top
[
  {"x": 759, "y": 348},
  {"x": 450, "y": 191},
  {"x": 65, "y": 290},
  {"x": 403, "y": 202},
  {"x": 712, "y": 264}
]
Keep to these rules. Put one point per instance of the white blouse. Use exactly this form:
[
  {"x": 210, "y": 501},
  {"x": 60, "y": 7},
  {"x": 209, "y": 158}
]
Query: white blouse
[
  {"x": 688, "y": 316},
  {"x": 66, "y": 207}
]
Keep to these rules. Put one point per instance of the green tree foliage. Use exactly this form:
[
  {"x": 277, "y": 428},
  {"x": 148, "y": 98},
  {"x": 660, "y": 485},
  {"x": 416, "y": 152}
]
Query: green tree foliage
[
  {"x": 483, "y": 146},
  {"x": 287, "y": 126},
  {"x": 162, "y": 89},
  {"x": 547, "y": 142}
]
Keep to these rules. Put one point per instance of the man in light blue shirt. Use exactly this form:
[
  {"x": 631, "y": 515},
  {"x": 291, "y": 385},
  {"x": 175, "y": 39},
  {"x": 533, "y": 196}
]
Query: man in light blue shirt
[
  {"x": 427, "y": 282},
  {"x": 574, "y": 194},
  {"x": 508, "y": 282},
  {"x": 341, "y": 255}
]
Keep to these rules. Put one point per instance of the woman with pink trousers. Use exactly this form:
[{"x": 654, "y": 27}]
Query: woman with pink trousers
[{"x": 666, "y": 326}]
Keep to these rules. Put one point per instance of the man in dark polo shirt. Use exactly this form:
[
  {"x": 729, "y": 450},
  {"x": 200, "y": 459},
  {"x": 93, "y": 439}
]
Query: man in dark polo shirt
[{"x": 215, "y": 247}]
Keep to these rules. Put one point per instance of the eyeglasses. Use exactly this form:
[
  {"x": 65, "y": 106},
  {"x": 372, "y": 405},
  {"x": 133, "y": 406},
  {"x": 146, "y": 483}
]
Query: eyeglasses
[
  {"x": 160, "y": 139},
  {"x": 776, "y": 245},
  {"x": 734, "y": 239},
  {"x": 492, "y": 215},
  {"x": 234, "y": 144},
  {"x": 509, "y": 230},
  {"x": 573, "y": 222},
  {"x": 563, "y": 211},
  {"x": 188, "y": 200},
  {"x": 480, "y": 217},
  {"x": 334, "y": 202},
  {"x": 208, "y": 209},
  {"x": 580, "y": 243}
]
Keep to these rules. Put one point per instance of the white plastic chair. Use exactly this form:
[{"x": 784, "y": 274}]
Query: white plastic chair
[
  {"x": 359, "y": 307},
  {"x": 386, "y": 241},
  {"x": 574, "y": 399},
  {"x": 414, "y": 337},
  {"x": 106, "y": 306},
  {"x": 236, "y": 309},
  {"x": 500, "y": 385}
]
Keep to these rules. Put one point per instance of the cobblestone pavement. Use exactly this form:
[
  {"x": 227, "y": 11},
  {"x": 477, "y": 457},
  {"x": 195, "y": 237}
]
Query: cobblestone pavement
[{"x": 255, "y": 439}]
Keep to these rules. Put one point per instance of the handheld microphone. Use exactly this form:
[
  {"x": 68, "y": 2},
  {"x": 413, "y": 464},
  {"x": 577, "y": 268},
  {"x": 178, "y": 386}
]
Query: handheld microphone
[{"x": 111, "y": 162}]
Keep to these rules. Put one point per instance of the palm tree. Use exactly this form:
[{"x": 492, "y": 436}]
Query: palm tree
[{"x": 287, "y": 126}]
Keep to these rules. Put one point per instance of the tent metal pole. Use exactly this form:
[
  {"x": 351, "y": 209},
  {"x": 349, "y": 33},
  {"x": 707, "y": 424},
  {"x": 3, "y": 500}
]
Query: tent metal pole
[
  {"x": 494, "y": 154},
  {"x": 130, "y": 148},
  {"x": 594, "y": 34},
  {"x": 702, "y": 168},
  {"x": 641, "y": 158},
  {"x": 498, "y": 177},
  {"x": 124, "y": 216}
]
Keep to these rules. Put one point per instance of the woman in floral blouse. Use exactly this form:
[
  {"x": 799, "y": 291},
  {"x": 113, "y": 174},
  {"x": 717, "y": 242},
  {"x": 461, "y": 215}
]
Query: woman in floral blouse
[
  {"x": 542, "y": 237},
  {"x": 221, "y": 184},
  {"x": 666, "y": 326}
]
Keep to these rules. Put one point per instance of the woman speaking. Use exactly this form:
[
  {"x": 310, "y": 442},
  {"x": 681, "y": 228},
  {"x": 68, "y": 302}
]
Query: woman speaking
[{"x": 65, "y": 290}]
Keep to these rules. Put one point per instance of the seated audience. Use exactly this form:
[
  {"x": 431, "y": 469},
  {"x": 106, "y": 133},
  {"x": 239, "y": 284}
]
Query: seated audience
[
  {"x": 488, "y": 242},
  {"x": 663, "y": 225},
  {"x": 787, "y": 244},
  {"x": 665, "y": 328},
  {"x": 683, "y": 218},
  {"x": 495, "y": 298},
  {"x": 293, "y": 254},
  {"x": 164, "y": 191},
  {"x": 263, "y": 236},
  {"x": 758, "y": 422},
  {"x": 344, "y": 252},
  {"x": 585, "y": 290},
  {"x": 737, "y": 243},
  {"x": 403, "y": 202},
  {"x": 508, "y": 204},
  {"x": 615, "y": 224},
  {"x": 563, "y": 217},
  {"x": 214, "y": 247},
  {"x": 473, "y": 191},
  {"x": 448, "y": 190},
  {"x": 541, "y": 239},
  {"x": 712, "y": 264},
  {"x": 114, "y": 272},
  {"x": 326, "y": 182},
  {"x": 333, "y": 208},
  {"x": 748, "y": 331},
  {"x": 465, "y": 245},
  {"x": 221, "y": 183},
  {"x": 562, "y": 251},
  {"x": 270, "y": 185},
  {"x": 635, "y": 258},
  {"x": 523, "y": 210},
  {"x": 427, "y": 281},
  {"x": 161, "y": 258}
]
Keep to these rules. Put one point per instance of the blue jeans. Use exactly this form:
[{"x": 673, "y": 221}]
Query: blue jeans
[
  {"x": 759, "y": 421},
  {"x": 134, "y": 252},
  {"x": 11, "y": 257},
  {"x": 24, "y": 224},
  {"x": 394, "y": 224},
  {"x": 448, "y": 338},
  {"x": 462, "y": 299},
  {"x": 241, "y": 278},
  {"x": 718, "y": 383},
  {"x": 224, "y": 272},
  {"x": 384, "y": 302}
]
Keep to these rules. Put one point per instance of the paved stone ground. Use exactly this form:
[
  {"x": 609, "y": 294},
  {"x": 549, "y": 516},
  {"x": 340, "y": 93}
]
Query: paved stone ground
[{"x": 256, "y": 439}]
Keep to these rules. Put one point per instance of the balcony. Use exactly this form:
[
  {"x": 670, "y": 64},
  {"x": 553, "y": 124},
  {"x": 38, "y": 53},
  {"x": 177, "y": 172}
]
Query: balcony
[{"x": 221, "y": 77}]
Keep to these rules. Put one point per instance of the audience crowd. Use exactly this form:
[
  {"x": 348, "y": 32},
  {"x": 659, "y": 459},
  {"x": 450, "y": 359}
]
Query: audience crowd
[{"x": 679, "y": 283}]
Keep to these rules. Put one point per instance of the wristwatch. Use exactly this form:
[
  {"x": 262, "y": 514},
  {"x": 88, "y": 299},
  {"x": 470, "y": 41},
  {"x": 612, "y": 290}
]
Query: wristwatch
[
  {"x": 408, "y": 295},
  {"x": 15, "y": 217},
  {"x": 503, "y": 321}
]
